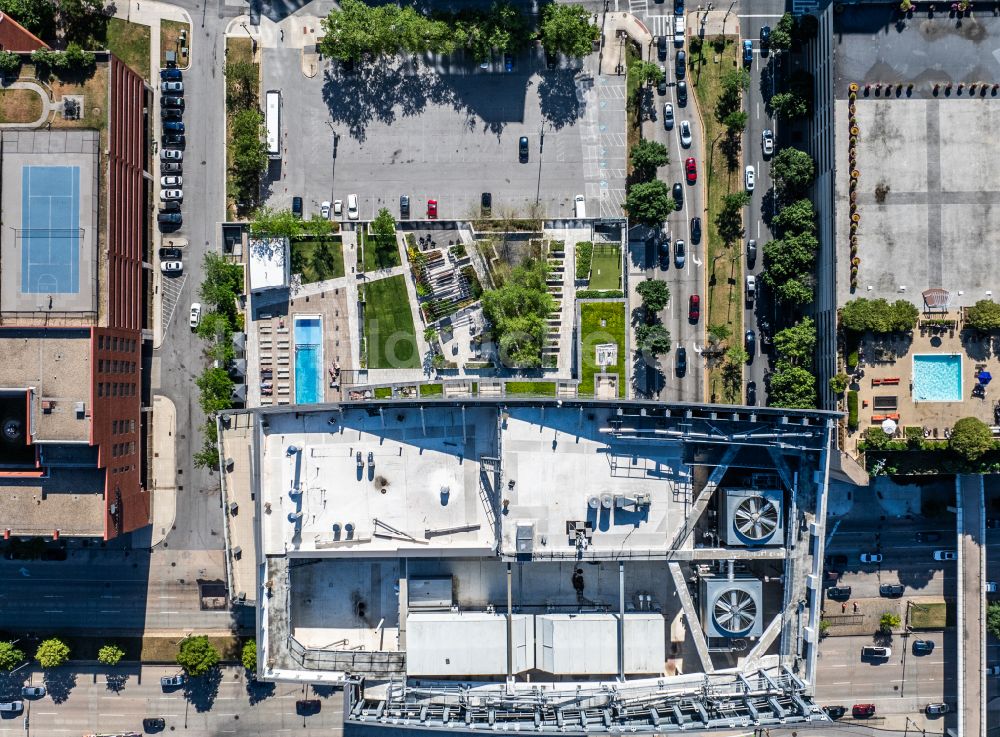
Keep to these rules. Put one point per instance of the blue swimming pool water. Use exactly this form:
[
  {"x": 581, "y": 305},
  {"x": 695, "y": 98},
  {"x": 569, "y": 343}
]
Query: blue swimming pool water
[
  {"x": 937, "y": 378},
  {"x": 308, "y": 360}
]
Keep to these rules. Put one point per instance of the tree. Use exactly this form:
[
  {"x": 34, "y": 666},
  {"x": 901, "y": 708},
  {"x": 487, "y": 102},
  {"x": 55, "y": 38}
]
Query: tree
[
  {"x": 654, "y": 294},
  {"x": 197, "y": 656},
  {"x": 653, "y": 339},
  {"x": 566, "y": 29},
  {"x": 241, "y": 85},
  {"x": 250, "y": 655},
  {"x": 878, "y": 316},
  {"x": 735, "y": 122},
  {"x": 888, "y": 622},
  {"x": 839, "y": 383},
  {"x": 518, "y": 311},
  {"x": 38, "y": 16},
  {"x": 796, "y": 217},
  {"x": 993, "y": 619},
  {"x": 792, "y": 387},
  {"x": 110, "y": 655},
  {"x": 971, "y": 438},
  {"x": 798, "y": 291},
  {"x": 274, "y": 223},
  {"x": 789, "y": 105},
  {"x": 216, "y": 389},
  {"x": 249, "y": 154},
  {"x": 781, "y": 34},
  {"x": 10, "y": 62},
  {"x": 729, "y": 221},
  {"x": 983, "y": 316},
  {"x": 797, "y": 343},
  {"x": 792, "y": 170},
  {"x": 222, "y": 284},
  {"x": 648, "y": 72},
  {"x": 10, "y": 656},
  {"x": 317, "y": 226},
  {"x": 649, "y": 203},
  {"x": 789, "y": 258},
  {"x": 75, "y": 59},
  {"x": 719, "y": 333},
  {"x": 83, "y": 21},
  {"x": 384, "y": 223},
  {"x": 52, "y": 653},
  {"x": 647, "y": 157}
]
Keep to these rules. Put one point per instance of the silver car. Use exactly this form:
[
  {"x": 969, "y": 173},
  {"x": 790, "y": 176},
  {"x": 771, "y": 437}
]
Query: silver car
[
  {"x": 171, "y": 194},
  {"x": 172, "y": 180},
  {"x": 767, "y": 142},
  {"x": 685, "y": 134},
  {"x": 668, "y": 115},
  {"x": 33, "y": 692}
]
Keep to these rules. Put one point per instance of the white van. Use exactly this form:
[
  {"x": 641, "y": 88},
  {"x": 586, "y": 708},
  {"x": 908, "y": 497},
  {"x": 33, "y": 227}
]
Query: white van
[
  {"x": 679, "y": 30},
  {"x": 580, "y": 206},
  {"x": 352, "y": 207}
]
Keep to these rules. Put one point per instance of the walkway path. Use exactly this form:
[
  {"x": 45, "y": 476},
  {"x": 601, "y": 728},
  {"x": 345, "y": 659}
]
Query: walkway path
[{"x": 47, "y": 105}]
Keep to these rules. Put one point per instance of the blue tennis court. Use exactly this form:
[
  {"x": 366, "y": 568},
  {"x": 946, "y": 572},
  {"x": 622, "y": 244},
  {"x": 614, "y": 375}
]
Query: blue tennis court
[{"x": 50, "y": 229}]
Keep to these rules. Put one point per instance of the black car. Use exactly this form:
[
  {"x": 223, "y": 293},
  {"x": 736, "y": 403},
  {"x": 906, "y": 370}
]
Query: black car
[
  {"x": 486, "y": 203},
  {"x": 170, "y": 206},
  {"x": 928, "y": 537},
  {"x": 664, "y": 255},
  {"x": 297, "y": 207},
  {"x": 751, "y": 253},
  {"x": 678, "y": 195},
  {"x": 765, "y": 39},
  {"x": 835, "y": 712},
  {"x": 404, "y": 206},
  {"x": 682, "y": 93},
  {"x": 891, "y": 589},
  {"x": 661, "y": 48},
  {"x": 923, "y": 647},
  {"x": 307, "y": 706},
  {"x": 522, "y": 149},
  {"x": 171, "y": 167},
  {"x": 682, "y": 361},
  {"x": 696, "y": 230},
  {"x": 171, "y": 75},
  {"x": 680, "y": 64},
  {"x": 661, "y": 86},
  {"x": 154, "y": 724},
  {"x": 169, "y": 218},
  {"x": 172, "y": 101},
  {"x": 752, "y": 394},
  {"x": 171, "y": 113},
  {"x": 174, "y": 126},
  {"x": 750, "y": 344},
  {"x": 678, "y": 7},
  {"x": 170, "y": 254},
  {"x": 839, "y": 593},
  {"x": 172, "y": 140}
]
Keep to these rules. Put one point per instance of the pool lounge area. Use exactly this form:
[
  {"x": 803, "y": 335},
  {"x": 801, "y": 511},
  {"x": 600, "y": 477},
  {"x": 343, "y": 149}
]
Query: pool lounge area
[
  {"x": 937, "y": 378},
  {"x": 308, "y": 337}
]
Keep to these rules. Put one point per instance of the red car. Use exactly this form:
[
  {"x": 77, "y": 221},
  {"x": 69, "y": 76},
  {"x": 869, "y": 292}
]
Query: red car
[
  {"x": 432, "y": 208},
  {"x": 694, "y": 308},
  {"x": 692, "y": 170},
  {"x": 863, "y": 710}
]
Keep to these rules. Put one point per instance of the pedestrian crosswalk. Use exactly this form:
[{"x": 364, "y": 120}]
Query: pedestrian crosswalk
[
  {"x": 660, "y": 25},
  {"x": 638, "y": 7},
  {"x": 170, "y": 292}
]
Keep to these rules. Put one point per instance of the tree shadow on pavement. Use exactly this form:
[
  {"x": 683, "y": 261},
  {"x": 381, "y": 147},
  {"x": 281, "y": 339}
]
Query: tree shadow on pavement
[
  {"x": 201, "y": 692},
  {"x": 116, "y": 681},
  {"x": 557, "y": 98},
  {"x": 258, "y": 691},
  {"x": 59, "y": 683}
]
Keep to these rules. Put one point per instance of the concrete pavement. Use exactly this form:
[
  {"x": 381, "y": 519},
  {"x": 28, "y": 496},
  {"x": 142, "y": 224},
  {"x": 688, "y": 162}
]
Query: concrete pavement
[{"x": 971, "y": 606}]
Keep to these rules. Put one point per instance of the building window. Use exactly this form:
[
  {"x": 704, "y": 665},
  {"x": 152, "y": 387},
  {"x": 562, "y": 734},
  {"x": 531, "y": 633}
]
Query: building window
[
  {"x": 114, "y": 427},
  {"x": 100, "y": 342},
  {"x": 100, "y": 389}
]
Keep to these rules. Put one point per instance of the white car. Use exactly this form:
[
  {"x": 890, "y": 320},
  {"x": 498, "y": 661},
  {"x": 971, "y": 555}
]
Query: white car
[
  {"x": 990, "y": 587},
  {"x": 195, "y": 318},
  {"x": 171, "y": 154},
  {"x": 668, "y": 115},
  {"x": 171, "y": 181},
  {"x": 12, "y": 707},
  {"x": 993, "y": 670},
  {"x": 324, "y": 210},
  {"x": 171, "y": 267},
  {"x": 338, "y": 208},
  {"x": 767, "y": 142},
  {"x": 352, "y": 207},
  {"x": 171, "y": 194},
  {"x": 750, "y": 177},
  {"x": 871, "y": 557},
  {"x": 685, "y": 134},
  {"x": 32, "y": 692},
  {"x": 172, "y": 88},
  {"x": 945, "y": 555}
]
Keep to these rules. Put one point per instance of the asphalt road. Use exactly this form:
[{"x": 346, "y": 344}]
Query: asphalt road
[
  {"x": 113, "y": 700},
  {"x": 764, "y": 13}
]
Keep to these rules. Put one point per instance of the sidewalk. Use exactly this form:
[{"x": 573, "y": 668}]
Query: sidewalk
[{"x": 164, "y": 468}]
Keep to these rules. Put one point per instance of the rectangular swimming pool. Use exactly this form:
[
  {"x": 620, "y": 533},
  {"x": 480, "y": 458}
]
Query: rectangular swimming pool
[
  {"x": 937, "y": 378},
  {"x": 308, "y": 359}
]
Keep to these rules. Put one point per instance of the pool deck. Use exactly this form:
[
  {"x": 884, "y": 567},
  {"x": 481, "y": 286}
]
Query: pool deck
[{"x": 892, "y": 358}]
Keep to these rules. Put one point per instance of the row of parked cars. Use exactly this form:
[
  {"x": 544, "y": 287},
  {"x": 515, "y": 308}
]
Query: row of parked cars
[{"x": 171, "y": 153}]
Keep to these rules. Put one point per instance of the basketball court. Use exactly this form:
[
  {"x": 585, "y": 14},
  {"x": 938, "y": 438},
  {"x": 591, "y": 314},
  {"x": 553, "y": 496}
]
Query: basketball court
[{"x": 50, "y": 236}]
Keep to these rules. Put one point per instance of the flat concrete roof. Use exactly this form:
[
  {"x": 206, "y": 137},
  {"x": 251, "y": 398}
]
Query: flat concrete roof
[
  {"x": 55, "y": 250},
  {"x": 55, "y": 363},
  {"x": 69, "y": 500},
  {"x": 268, "y": 259}
]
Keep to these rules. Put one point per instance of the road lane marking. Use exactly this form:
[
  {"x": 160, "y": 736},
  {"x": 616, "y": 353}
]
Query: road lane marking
[
  {"x": 53, "y": 611},
  {"x": 169, "y": 612}
]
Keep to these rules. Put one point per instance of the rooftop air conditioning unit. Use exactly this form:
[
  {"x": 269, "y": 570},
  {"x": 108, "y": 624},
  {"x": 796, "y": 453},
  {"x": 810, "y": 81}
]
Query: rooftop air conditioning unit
[
  {"x": 732, "y": 607},
  {"x": 751, "y": 517}
]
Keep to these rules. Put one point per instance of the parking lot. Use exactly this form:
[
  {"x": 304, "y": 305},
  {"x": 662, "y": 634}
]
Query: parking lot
[{"x": 448, "y": 130}]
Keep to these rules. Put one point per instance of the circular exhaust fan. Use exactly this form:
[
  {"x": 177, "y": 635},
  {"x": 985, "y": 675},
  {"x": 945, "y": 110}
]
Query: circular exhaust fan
[
  {"x": 756, "y": 518},
  {"x": 735, "y": 611}
]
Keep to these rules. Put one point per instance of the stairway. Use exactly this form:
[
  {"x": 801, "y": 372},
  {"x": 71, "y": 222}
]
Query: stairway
[{"x": 556, "y": 278}]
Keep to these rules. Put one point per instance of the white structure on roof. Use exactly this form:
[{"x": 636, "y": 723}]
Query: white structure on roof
[
  {"x": 269, "y": 264},
  {"x": 586, "y": 644},
  {"x": 467, "y": 643}
]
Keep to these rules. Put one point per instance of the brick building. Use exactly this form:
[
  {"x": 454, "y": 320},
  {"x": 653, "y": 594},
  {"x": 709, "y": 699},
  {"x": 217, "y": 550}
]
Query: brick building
[{"x": 75, "y": 227}]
